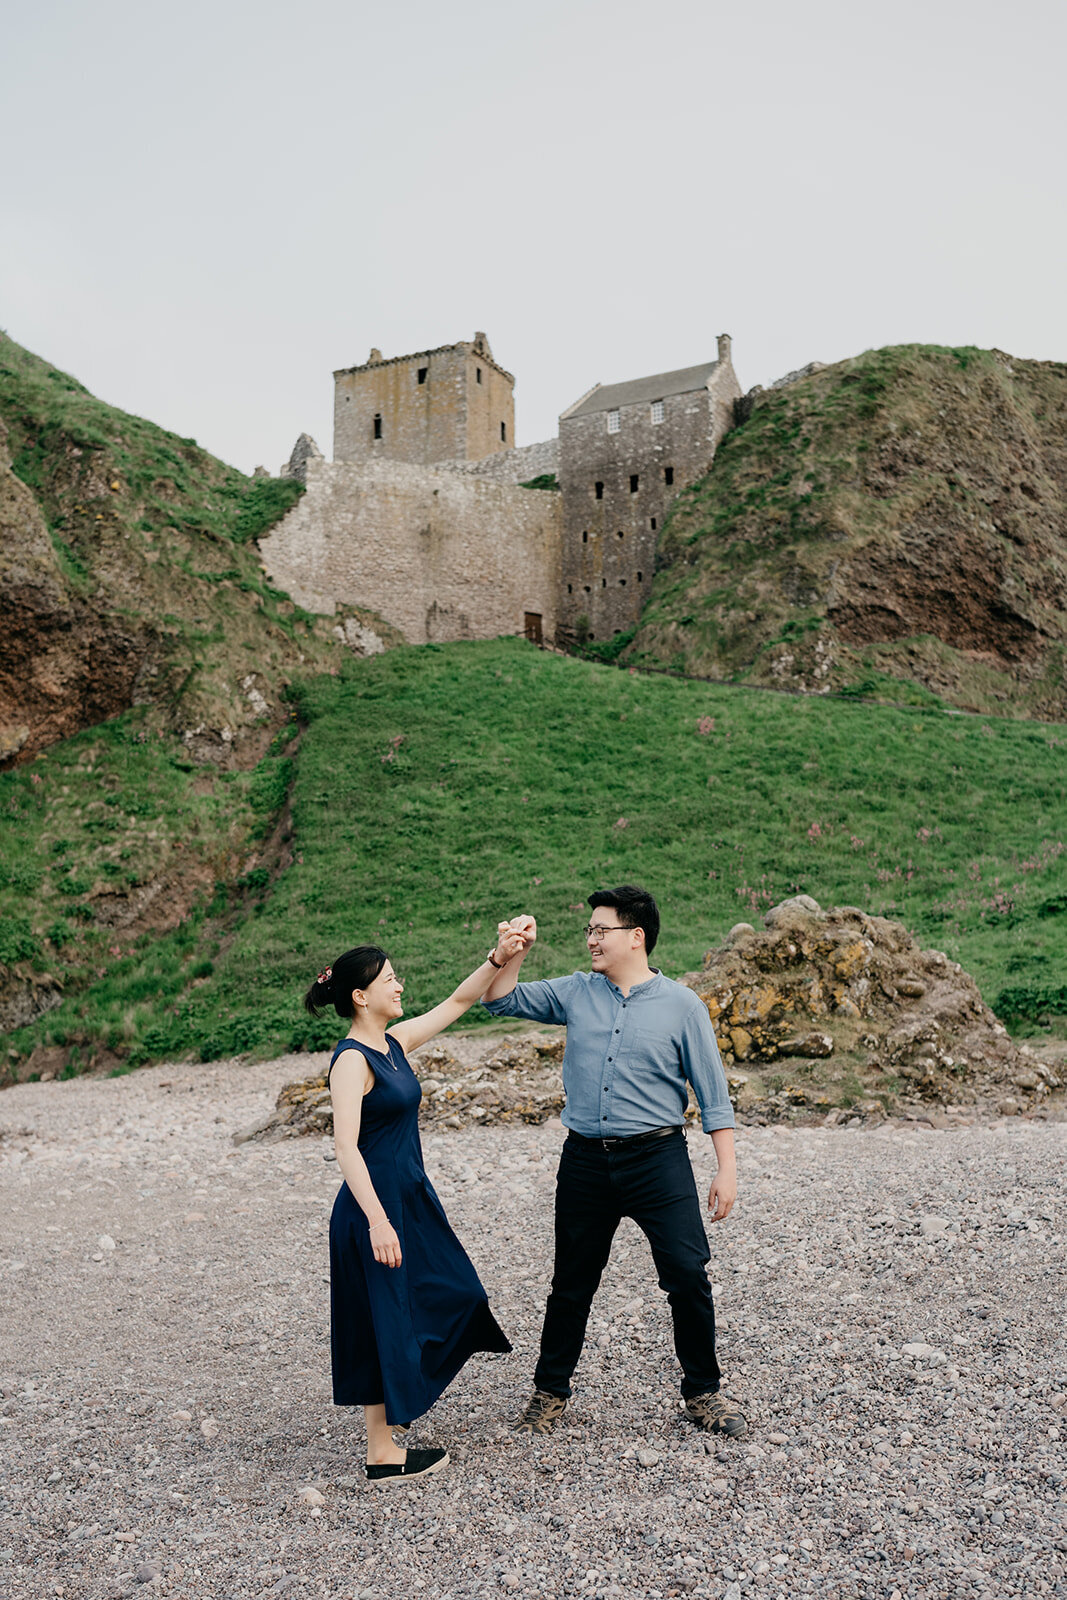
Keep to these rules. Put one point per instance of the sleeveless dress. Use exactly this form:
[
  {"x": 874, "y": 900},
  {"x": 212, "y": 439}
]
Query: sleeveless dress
[{"x": 399, "y": 1335}]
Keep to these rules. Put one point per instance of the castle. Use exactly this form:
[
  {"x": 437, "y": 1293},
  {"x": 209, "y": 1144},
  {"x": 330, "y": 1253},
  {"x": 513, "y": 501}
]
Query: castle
[{"x": 432, "y": 517}]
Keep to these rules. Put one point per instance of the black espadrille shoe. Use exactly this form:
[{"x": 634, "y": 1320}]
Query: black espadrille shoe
[{"x": 417, "y": 1465}]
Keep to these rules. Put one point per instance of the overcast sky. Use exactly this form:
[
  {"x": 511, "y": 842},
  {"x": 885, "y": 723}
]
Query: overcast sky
[{"x": 209, "y": 207}]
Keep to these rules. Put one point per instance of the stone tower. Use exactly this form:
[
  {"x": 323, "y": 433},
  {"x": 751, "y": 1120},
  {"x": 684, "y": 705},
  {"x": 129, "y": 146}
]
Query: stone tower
[
  {"x": 450, "y": 404},
  {"x": 626, "y": 450}
]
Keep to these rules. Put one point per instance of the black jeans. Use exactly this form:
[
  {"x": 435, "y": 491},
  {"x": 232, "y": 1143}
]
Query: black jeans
[{"x": 652, "y": 1183}]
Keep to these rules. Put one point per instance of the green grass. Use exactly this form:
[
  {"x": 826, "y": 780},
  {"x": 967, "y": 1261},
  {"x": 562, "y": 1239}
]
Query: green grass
[
  {"x": 111, "y": 823},
  {"x": 434, "y": 790}
]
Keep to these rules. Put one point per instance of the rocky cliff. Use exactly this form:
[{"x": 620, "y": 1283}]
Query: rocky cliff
[
  {"x": 894, "y": 526},
  {"x": 129, "y": 575}
]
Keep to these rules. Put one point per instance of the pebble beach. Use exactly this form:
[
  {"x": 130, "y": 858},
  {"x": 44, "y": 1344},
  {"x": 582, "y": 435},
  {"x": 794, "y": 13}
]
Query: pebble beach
[{"x": 891, "y": 1311}]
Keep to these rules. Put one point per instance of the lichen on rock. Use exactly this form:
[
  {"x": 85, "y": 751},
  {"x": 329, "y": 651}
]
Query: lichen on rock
[{"x": 892, "y": 1022}]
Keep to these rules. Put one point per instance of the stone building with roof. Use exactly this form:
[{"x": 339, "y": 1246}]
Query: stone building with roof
[
  {"x": 626, "y": 450},
  {"x": 425, "y": 514}
]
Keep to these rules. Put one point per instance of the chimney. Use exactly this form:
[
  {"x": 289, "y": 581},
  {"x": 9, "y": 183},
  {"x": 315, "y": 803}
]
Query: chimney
[
  {"x": 376, "y": 355},
  {"x": 724, "y": 348}
]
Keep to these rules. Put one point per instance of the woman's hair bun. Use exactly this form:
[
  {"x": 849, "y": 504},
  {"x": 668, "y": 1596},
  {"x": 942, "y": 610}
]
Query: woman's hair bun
[{"x": 355, "y": 969}]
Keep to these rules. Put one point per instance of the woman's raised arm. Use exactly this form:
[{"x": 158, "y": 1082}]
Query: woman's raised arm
[{"x": 415, "y": 1031}]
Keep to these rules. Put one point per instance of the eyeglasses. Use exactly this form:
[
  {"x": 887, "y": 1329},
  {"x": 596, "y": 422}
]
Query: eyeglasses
[{"x": 598, "y": 930}]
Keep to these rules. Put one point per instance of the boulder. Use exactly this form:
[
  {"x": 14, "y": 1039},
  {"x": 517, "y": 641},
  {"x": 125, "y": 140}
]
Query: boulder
[{"x": 817, "y": 985}]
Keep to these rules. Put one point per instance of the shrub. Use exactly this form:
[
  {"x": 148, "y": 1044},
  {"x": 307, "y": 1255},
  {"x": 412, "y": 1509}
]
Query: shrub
[{"x": 17, "y": 941}]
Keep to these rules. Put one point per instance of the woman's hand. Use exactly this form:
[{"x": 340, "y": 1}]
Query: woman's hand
[
  {"x": 509, "y": 943},
  {"x": 385, "y": 1244}
]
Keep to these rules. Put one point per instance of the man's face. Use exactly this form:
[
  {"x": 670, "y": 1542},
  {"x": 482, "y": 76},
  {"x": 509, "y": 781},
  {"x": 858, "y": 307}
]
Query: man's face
[{"x": 607, "y": 941}]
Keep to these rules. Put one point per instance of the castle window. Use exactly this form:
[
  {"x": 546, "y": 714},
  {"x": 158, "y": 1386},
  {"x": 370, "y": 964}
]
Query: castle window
[
  {"x": 668, "y": 475},
  {"x": 478, "y": 373},
  {"x": 570, "y": 588},
  {"x": 613, "y": 422},
  {"x": 623, "y": 582},
  {"x": 598, "y": 491},
  {"x": 422, "y": 374},
  {"x": 603, "y": 583},
  {"x": 639, "y": 577},
  {"x": 620, "y": 533},
  {"x": 653, "y": 524},
  {"x": 587, "y": 588},
  {"x": 633, "y": 482},
  {"x": 657, "y": 411},
  {"x": 504, "y": 432},
  {"x": 378, "y": 425},
  {"x": 585, "y": 537}
]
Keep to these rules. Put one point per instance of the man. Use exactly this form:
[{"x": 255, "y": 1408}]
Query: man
[{"x": 634, "y": 1038}]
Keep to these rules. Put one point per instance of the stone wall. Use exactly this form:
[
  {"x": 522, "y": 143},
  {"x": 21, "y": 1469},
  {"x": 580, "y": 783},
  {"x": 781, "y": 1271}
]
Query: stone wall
[
  {"x": 616, "y": 493},
  {"x": 439, "y": 555},
  {"x": 513, "y": 466}
]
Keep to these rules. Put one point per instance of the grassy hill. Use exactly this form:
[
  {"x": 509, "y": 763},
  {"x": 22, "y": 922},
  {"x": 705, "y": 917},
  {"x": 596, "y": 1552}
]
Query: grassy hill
[
  {"x": 417, "y": 796},
  {"x": 129, "y": 576},
  {"x": 894, "y": 526}
]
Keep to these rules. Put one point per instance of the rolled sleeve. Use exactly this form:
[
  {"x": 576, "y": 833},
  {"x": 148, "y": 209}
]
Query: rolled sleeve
[
  {"x": 702, "y": 1065},
  {"x": 544, "y": 1000}
]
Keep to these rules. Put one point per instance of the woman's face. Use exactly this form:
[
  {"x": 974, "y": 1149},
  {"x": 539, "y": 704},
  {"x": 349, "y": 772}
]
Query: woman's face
[{"x": 382, "y": 998}]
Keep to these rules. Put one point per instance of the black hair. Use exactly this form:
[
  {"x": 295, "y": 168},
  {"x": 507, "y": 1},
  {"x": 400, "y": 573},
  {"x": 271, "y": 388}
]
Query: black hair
[
  {"x": 356, "y": 969},
  {"x": 636, "y": 909}
]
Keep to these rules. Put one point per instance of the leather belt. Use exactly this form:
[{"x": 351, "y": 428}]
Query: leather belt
[{"x": 631, "y": 1139}]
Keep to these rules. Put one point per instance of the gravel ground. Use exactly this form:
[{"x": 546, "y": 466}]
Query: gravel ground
[{"x": 892, "y": 1316}]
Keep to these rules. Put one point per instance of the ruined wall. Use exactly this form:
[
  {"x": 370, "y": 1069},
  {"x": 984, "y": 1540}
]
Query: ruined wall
[
  {"x": 439, "y": 555},
  {"x": 610, "y": 534},
  {"x": 513, "y": 466},
  {"x": 436, "y": 405}
]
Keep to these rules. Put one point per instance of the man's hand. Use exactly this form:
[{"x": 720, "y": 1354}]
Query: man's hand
[
  {"x": 722, "y": 1194},
  {"x": 527, "y": 926}
]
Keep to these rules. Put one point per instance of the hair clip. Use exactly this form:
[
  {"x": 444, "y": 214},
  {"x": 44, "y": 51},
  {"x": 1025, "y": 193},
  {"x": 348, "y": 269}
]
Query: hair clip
[{"x": 326, "y": 974}]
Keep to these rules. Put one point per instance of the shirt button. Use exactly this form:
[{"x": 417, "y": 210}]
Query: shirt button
[
  {"x": 610, "y": 1058},
  {"x": 604, "y": 1119},
  {"x": 617, "y": 1030}
]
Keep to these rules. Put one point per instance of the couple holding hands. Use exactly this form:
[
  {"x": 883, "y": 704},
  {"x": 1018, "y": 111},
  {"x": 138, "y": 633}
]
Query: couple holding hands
[{"x": 407, "y": 1307}]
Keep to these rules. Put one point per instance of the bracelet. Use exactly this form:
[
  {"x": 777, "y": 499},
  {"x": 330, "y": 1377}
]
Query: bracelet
[
  {"x": 385, "y": 1223},
  {"x": 499, "y": 965}
]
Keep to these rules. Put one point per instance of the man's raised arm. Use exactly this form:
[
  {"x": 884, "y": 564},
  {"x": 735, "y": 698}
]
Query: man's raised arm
[
  {"x": 541, "y": 1001},
  {"x": 508, "y": 976}
]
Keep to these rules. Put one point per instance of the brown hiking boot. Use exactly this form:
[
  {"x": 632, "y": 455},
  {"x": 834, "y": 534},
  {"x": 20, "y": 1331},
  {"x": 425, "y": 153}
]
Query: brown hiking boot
[
  {"x": 542, "y": 1413},
  {"x": 714, "y": 1413}
]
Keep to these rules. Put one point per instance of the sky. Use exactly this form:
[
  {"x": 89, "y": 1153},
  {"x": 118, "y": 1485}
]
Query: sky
[{"x": 209, "y": 208}]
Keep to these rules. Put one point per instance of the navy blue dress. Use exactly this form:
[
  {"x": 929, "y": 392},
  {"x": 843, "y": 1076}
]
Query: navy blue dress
[{"x": 399, "y": 1335}]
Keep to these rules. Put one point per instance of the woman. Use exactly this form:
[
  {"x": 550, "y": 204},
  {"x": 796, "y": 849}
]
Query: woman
[{"x": 406, "y": 1305}]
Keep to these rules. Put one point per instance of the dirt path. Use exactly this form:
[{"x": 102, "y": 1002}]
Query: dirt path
[{"x": 891, "y": 1315}]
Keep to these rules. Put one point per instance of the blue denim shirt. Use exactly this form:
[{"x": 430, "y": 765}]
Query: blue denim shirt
[{"x": 628, "y": 1058}]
